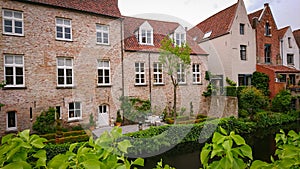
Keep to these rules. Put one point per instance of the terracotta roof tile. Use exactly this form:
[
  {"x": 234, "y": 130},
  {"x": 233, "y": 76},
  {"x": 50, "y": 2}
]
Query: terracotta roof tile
[
  {"x": 297, "y": 36},
  {"x": 280, "y": 69},
  {"x": 103, "y": 7},
  {"x": 219, "y": 23},
  {"x": 282, "y": 31},
  {"x": 160, "y": 30}
]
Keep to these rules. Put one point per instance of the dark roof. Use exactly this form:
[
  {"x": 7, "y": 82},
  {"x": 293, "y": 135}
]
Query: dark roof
[
  {"x": 280, "y": 69},
  {"x": 282, "y": 31},
  {"x": 160, "y": 30},
  {"x": 220, "y": 23},
  {"x": 297, "y": 36},
  {"x": 103, "y": 7},
  {"x": 255, "y": 15}
]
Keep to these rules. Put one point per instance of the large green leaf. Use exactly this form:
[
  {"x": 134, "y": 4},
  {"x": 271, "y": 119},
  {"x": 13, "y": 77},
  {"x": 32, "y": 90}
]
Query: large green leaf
[
  {"x": 257, "y": 164},
  {"x": 94, "y": 164},
  {"x": 18, "y": 165},
  {"x": 204, "y": 156},
  {"x": 238, "y": 139},
  {"x": 41, "y": 156},
  {"x": 60, "y": 161},
  {"x": 39, "y": 142},
  {"x": 138, "y": 161},
  {"x": 6, "y": 138},
  {"x": 25, "y": 134},
  {"x": 247, "y": 151},
  {"x": 124, "y": 145}
]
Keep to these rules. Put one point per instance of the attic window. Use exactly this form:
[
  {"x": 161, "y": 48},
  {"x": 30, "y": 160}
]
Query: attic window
[
  {"x": 146, "y": 37},
  {"x": 267, "y": 29},
  {"x": 180, "y": 39},
  {"x": 207, "y": 35}
]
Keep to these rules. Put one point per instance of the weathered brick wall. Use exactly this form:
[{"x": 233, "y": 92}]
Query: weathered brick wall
[
  {"x": 261, "y": 39},
  {"x": 40, "y": 50}
]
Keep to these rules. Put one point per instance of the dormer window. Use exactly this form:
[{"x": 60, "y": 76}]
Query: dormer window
[
  {"x": 145, "y": 34},
  {"x": 180, "y": 39},
  {"x": 207, "y": 34}
]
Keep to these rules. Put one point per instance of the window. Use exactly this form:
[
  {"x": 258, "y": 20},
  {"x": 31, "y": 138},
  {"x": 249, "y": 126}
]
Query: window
[
  {"x": 289, "y": 42},
  {"x": 243, "y": 52},
  {"x": 158, "y": 73},
  {"x": 290, "y": 59},
  {"x": 244, "y": 80},
  {"x": 196, "y": 74},
  {"x": 74, "y": 110},
  {"x": 267, "y": 29},
  {"x": 13, "y": 23},
  {"x": 207, "y": 34},
  {"x": 63, "y": 29},
  {"x": 57, "y": 112},
  {"x": 103, "y": 109},
  {"x": 181, "y": 74},
  {"x": 242, "y": 29},
  {"x": 64, "y": 72},
  {"x": 11, "y": 120},
  {"x": 103, "y": 72},
  {"x": 140, "y": 73},
  {"x": 292, "y": 79},
  {"x": 267, "y": 53},
  {"x": 146, "y": 37},
  {"x": 102, "y": 34},
  {"x": 14, "y": 70},
  {"x": 179, "y": 39},
  {"x": 282, "y": 78}
]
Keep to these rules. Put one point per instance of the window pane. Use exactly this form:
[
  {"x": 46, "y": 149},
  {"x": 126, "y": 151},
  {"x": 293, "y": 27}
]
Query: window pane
[
  {"x": 59, "y": 21},
  {"x": 8, "y": 22},
  {"x": 106, "y": 72},
  {"x": 18, "y": 15},
  {"x": 67, "y": 22},
  {"x": 100, "y": 80},
  {"x": 9, "y": 80},
  {"x": 9, "y": 59},
  {"x": 59, "y": 35},
  {"x": 59, "y": 29},
  {"x": 100, "y": 72},
  {"x": 19, "y": 80},
  {"x": 77, "y": 113},
  {"x": 8, "y": 29},
  {"x": 106, "y": 64},
  {"x": 19, "y": 71},
  {"x": 18, "y": 59},
  {"x": 106, "y": 80},
  {"x": 18, "y": 24},
  {"x": 69, "y": 80},
  {"x": 61, "y": 80},
  {"x": 11, "y": 119},
  {"x": 68, "y": 36},
  {"x": 8, "y": 13},
  {"x": 8, "y": 70},
  {"x": 71, "y": 106},
  {"x": 68, "y": 62},
  {"x": 71, "y": 113},
  {"x": 67, "y": 30},
  {"x": 60, "y": 72},
  {"x": 18, "y": 30},
  {"x": 77, "y": 105}
]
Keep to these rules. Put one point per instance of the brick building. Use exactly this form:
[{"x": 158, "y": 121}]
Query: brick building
[
  {"x": 62, "y": 54},
  {"x": 145, "y": 77},
  {"x": 269, "y": 57}
]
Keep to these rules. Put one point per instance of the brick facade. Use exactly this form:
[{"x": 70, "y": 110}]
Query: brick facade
[{"x": 40, "y": 50}]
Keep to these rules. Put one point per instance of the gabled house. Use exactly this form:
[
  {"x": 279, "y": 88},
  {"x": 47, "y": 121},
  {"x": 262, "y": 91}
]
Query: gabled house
[
  {"x": 269, "y": 56},
  {"x": 230, "y": 41},
  {"x": 296, "y": 34},
  {"x": 289, "y": 49},
  {"x": 61, "y": 54},
  {"x": 144, "y": 75}
]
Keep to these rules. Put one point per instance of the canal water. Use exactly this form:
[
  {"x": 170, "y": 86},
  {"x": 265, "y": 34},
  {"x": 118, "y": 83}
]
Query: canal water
[{"x": 187, "y": 155}]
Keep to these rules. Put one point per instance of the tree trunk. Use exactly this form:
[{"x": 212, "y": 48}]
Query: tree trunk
[{"x": 174, "y": 105}]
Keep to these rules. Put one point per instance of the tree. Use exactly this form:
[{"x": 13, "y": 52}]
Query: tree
[
  {"x": 174, "y": 57},
  {"x": 261, "y": 82},
  {"x": 282, "y": 101},
  {"x": 252, "y": 100}
]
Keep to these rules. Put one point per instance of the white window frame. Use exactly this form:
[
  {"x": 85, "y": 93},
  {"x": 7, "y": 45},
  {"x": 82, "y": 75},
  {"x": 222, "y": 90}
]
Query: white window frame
[
  {"x": 65, "y": 67},
  {"x": 13, "y": 19},
  {"x": 243, "y": 52},
  {"x": 16, "y": 121},
  {"x": 148, "y": 35},
  {"x": 64, "y": 27},
  {"x": 101, "y": 67},
  {"x": 100, "y": 108},
  {"x": 288, "y": 59},
  {"x": 290, "y": 42},
  {"x": 180, "y": 39},
  {"x": 197, "y": 78},
  {"x": 181, "y": 76},
  {"x": 14, "y": 65},
  {"x": 102, "y": 30},
  {"x": 158, "y": 73},
  {"x": 74, "y": 111},
  {"x": 140, "y": 73}
]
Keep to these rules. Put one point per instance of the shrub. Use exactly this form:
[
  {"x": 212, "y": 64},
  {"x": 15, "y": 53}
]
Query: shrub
[
  {"x": 261, "y": 82},
  {"x": 282, "y": 101},
  {"x": 230, "y": 82},
  {"x": 45, "y": 123},
  {"x": 252, "y": 100},
  {"x": 231, "y": 91}
]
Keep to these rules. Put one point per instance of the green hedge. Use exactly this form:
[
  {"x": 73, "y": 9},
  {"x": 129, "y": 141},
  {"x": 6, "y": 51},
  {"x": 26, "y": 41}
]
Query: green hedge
[{"x": 231, "y": 91}]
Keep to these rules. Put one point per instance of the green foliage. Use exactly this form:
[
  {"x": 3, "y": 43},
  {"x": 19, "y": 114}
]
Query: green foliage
[
  {"x": 282, "y": 101},
  {"x": 16, "y": 150},
  {"x": 207, "y": 75},
  {"x": 288, "y": 148},
  {"x": 119, "y": 118},
  {"x": 226, "y": 151},
  {"x": 45, "y": 123},
  {"x": 160, "y": 166},
  {"x": 91, "y": 120},
  {"x": 231, "y": 91},
  {"x": 1, "y": 86},
  {"x": 209, "y": 90},
  {"x": 230, "y": 82},
  {"x": 266, "y": 119},
  {"x": 252, "y": 100},
  {"x": 261, "y": 82}
]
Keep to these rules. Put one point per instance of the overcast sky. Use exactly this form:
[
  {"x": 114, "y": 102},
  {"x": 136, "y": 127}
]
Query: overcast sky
[{"x": 192, "y": 12}]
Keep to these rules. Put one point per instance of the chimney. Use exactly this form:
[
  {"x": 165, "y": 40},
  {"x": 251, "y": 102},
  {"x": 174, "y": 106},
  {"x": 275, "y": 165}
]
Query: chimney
[
  {"x": 254, "y": 22},
  {"x": 266, "y": 4}
]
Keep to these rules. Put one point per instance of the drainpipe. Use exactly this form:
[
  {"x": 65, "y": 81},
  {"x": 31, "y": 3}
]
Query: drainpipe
[
  {"x": 150, "y": 87},
  {"x": 122, "y": 59},
  {"x": 281, "y": 41}
]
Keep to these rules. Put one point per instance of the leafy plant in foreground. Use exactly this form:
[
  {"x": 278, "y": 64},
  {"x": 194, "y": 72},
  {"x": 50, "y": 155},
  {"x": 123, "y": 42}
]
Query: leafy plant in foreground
[{"x": 225, "y": 151}]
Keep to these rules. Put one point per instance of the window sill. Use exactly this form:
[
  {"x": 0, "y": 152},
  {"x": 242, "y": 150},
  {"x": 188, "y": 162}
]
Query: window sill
[
  {"x": 182, "y": 84},
  {"x": 158, "y": 84},
  {"x": 8, "y": 131},
  {"x": 197, "y": 83},
  {"x": 14, "y": 88},
  {"x": 140, "y": 85},
  {"x": 101, "y": 86},
  {"x": 11, "y": 34},
  {"x": 74, "y": 120},
  {"x": 64, "y": 40},
  {"x": 65, "y": 87},
  {"x": 103, "y": 44}
]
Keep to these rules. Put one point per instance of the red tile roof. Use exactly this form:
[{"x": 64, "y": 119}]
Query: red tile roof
[
  {"x": 160, "y": 30},
  {"x": 220, "y": 23},
  {"x": 103, "y": 7},
  {"x": 255, "y": 15},
  {"x": 280, "y": 69},
  {"x": 297, "y": 36},
  {"x": 282, "y": 31}
]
